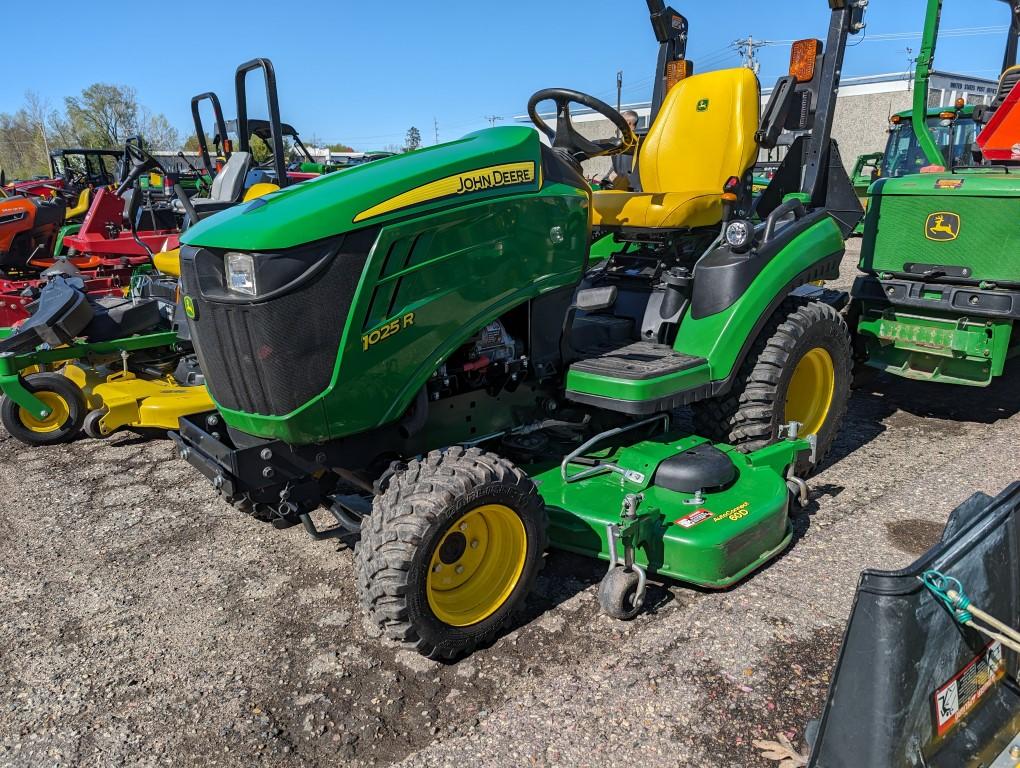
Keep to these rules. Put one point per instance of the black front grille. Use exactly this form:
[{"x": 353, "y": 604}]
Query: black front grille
[{"x": 270, "y": 357}]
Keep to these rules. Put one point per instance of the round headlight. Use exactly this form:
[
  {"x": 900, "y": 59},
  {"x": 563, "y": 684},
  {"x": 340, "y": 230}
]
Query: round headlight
[{"x": 739, "y": 234}]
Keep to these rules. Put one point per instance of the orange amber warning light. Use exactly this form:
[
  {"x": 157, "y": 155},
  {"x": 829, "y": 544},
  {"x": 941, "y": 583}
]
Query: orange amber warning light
[
  {"x": 803, "y": 56},
  {"x": 677, "y": 71}
]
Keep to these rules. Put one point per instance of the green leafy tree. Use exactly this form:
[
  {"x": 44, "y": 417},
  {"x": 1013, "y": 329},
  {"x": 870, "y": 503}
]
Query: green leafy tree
[
  {"x": 413, "y": 140},
  {"x": 104, "y": 115}
]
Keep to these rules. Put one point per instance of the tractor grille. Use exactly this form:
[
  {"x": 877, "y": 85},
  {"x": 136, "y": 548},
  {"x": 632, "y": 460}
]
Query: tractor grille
[
  {"x": 270, "y": 357},
  {"x": 987, "y": 243}
]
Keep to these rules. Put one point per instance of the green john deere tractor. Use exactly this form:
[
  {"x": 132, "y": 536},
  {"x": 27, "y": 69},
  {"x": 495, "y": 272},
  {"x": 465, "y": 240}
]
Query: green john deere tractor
[
  {"x": 941, "y": 285},
  {"x": 420, "y": 346},
  {"x": 953, "y": 129}
]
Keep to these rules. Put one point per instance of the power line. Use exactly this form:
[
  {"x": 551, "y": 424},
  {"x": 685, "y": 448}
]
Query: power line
[{"x": 747, "y": 49}]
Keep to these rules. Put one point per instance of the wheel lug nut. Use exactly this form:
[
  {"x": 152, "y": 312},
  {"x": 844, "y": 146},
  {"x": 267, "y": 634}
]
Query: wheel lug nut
[
  {"x": 459, "y": 569},
  {"x": 463, "y": 526},
  {"x": 437, "y": 568},
  {"x": 474, "y": 543}
]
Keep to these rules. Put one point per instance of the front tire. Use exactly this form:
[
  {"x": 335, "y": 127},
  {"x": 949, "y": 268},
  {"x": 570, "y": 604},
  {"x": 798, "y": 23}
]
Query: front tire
[
  {"x": 800, "y": 369},
  {"x": 67, "y": 411},
  {"x": 451, "y": 550}
]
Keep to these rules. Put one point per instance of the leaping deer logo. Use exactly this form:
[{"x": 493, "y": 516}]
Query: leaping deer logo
[{"x": 942, "y": 226}]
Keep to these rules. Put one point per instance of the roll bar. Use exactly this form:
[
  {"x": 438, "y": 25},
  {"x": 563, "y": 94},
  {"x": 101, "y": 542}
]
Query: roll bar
[
  {"x": 670, "y": 29},
  {"x": 1009, "y": 58},
  {"x": 272, "y": 102},
  {"x": 221, "y": 127},
  {"x": 925, "y": 62},
  {"x": 847, "y": 18}
]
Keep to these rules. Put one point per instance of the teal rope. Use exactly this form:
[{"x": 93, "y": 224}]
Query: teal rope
[{"x": 939, "y": 585}]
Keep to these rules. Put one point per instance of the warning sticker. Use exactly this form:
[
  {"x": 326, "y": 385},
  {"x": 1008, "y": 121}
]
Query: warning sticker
[
  {"x": 692, "y": 519},
  {"x": 958, "y": 696},
  {"x": 949, "y": 183}
]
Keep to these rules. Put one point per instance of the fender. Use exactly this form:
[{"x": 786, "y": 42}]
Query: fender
[{"x": 724, "y": 320}]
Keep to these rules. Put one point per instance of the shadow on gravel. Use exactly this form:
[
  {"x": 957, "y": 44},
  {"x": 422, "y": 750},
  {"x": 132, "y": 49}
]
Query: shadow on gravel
[
  {"x": 881, "y": 401},
  {"x": 950, "y": 402}
]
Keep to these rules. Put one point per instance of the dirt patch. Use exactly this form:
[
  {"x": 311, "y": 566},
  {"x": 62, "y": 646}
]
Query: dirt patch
[
  {"x": 914, "y": 536},
  {"x": 779, "y": 696}
]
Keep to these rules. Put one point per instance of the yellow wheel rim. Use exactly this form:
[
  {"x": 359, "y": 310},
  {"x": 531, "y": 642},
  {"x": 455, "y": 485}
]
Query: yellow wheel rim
[
  {"x": 476, "y": 565},
  {"x": 60, "y": 412},
  {"x": 809, "y": 396}
]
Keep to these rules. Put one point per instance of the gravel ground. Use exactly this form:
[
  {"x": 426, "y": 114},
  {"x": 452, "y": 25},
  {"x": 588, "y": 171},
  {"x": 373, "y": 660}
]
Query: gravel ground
[{"x": 144, "y": 622}]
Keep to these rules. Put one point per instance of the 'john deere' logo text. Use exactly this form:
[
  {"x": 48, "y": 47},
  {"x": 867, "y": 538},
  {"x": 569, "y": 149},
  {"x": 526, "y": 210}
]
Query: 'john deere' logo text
[
  {"x": 489, "y": 178},
  {"x": 479, "y": 180},
  {"x": 942, "y": 226}
]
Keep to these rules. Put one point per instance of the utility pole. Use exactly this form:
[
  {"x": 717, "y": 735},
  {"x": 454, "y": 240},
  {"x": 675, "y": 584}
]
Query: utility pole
[
  {"x": 747, "y": 50},
  {"x": 619, "y": 89},
  {"x": 493, "y": 119},
  {"x": 911, "y": 60},
  {"x": 435, "y": 124}
]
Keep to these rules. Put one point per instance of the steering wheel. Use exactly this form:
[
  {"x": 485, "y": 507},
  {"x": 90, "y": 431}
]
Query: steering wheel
[
  {"x": 567, "y": 137},
  {"x": 76, "y": 178},
  {"x": 141, "y": 161}
]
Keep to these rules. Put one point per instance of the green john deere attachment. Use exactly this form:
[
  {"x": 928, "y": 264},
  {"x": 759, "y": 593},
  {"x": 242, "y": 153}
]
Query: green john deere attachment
[{"x": 675, "y": 505}]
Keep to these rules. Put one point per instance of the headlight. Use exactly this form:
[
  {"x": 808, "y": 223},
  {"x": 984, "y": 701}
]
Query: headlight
[
  {"x": 240, "y": 272},
  {"x": 739, "y": 235}
]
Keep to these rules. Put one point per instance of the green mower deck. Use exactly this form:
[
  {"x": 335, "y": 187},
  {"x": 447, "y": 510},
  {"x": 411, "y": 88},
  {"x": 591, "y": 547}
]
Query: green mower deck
[{"x": 712, "y": 539}]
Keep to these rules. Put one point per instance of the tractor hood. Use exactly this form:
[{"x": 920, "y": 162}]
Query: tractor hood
[
  {"x": 961, "y": 184},
  {"x": 489, "y": 163},
  {"x": 961, "y": 225}
]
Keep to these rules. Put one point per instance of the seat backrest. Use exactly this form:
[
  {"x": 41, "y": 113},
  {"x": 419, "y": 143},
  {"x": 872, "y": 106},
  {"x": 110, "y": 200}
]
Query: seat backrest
[
  {"x": 229, "y": 183},
  {"x": 1007, "y": 81},
  {"x": 703, "y": 134}
]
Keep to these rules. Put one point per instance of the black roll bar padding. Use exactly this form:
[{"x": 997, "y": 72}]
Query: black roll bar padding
[
  {"x": 221, "y": 126},
  {"x": 776, "y": 112},
  {"x": 273, "y": 104},
  {"x": 796, "y": 207}
]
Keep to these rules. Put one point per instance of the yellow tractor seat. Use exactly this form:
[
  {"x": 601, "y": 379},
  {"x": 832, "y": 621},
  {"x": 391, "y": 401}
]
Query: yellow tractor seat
[
  {"x": 670, "y": 210},
  {"x": 81, "y": 207},
  {"x": 703, "y": 135}
]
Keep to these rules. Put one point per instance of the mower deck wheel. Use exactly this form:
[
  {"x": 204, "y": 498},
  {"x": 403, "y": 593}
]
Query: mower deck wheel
[
  {"x": 67, "y": 411},
  {"x": 799, "y": 369},
  {"x": 617, "y": 593},
  {"x": 450, "y": 551},
  {"x": 90, "y": 426}
]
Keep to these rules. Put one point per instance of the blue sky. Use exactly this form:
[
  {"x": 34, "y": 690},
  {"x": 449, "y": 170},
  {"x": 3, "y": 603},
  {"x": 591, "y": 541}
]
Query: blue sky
[{"x": 363, "y": 72}]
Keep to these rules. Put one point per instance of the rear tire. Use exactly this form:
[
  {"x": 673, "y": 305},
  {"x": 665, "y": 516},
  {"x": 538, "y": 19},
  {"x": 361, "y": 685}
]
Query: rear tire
[
  {"x": 800, "y": 368},
  {"x": 450, "y": 551},
  {"x": 62, "y": 396}
]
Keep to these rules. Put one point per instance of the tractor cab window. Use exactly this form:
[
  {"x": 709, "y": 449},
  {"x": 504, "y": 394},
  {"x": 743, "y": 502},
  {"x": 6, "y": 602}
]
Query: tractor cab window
[
  {"x": 98, "y": 173},
  {"x": 903, "y": 155},
  {"x": 71, "y": 166}
]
